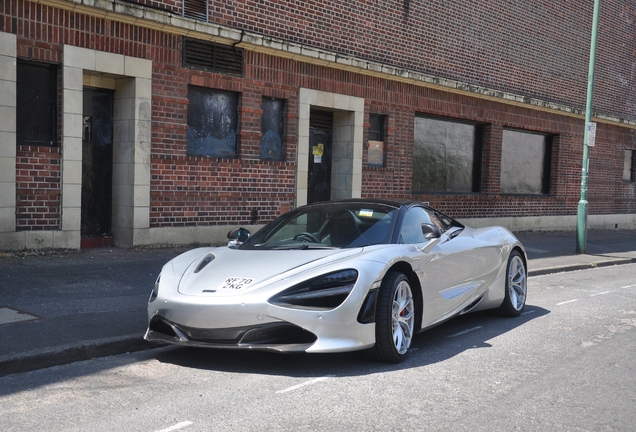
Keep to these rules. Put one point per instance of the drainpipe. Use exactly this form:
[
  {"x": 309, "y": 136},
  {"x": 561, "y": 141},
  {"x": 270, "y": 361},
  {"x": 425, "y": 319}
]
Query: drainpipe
[{"x": 581, "y": 223}]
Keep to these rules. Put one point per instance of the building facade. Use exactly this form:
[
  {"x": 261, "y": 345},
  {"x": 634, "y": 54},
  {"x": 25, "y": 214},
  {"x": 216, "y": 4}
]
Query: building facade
[{"x": 169, "y": 122}]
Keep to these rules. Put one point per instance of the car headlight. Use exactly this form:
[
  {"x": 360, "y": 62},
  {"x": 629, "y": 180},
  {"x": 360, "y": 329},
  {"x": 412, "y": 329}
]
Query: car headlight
[
  {"x": 322, "y": 293},
  {"x": 155, "y": 290}
]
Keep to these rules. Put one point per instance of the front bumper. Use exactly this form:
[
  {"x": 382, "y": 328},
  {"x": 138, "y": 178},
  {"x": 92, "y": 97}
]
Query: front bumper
[
  {"x": 211, "y": 322},
  {"x": 279, "y": 337}
]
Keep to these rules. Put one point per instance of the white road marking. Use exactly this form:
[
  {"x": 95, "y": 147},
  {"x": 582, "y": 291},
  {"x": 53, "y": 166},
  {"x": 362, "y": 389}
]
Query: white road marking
[
  {"x": 628, "y": 286},
  {"x": 176, "y": 427},
  {"x": 465, "y": 331},
  {"x": 535, "y": 250},
  {"x": 8, "y": 315},
  {"x": 601, "y": 293},
  {"x": 306, "y": 383},
  {"x": 566, "y": 302},
  {"x": 529, "y": 312}
]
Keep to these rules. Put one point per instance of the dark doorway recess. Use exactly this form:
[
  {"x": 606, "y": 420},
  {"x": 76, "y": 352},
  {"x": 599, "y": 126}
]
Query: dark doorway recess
[
  {"x": 97, "y": 168},
  {"x": 320, "y": 141}
]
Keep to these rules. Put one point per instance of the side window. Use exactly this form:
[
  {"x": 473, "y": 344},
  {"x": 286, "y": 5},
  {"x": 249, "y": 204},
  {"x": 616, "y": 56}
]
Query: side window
[
  {"x": 443, "y": 222},
  {"x": 212, "y": 122},
  {"x": 446, "y": 156},
  {"x": 376, "y": 140},
  {"x": 629, "y": 165},
  {"x": 36, "y": 100},
  {"x": 411, "y": 231},
  {"x": 525, "y": 163},
  {"x": 272, "y": 127}
]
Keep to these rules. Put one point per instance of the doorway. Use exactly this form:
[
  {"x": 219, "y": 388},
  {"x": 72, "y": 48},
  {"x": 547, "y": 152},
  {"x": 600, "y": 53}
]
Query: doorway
[
  {"x": 320, "y": 156},
  {"x": 97, "y": 168}
]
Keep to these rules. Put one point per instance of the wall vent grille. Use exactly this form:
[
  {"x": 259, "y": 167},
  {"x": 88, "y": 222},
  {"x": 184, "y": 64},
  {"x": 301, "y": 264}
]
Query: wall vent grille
[
  {"x": 195, "y": 9},
  {"x": 225, "y": 59}
]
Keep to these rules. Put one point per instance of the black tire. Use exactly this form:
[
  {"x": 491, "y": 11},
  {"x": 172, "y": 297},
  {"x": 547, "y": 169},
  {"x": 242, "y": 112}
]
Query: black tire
[
  {"x": 516, "y": 286},
  {"x": 395, "y": 319}
]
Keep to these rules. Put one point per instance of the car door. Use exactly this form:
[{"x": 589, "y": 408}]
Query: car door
[
  {"x": 490, "y": 260},
  {"x": 445, "y": 270}
]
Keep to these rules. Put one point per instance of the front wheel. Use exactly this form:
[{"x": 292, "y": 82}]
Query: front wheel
[
  {"x": 395, "y": 318},
  {"x": 516, "y": 286}
]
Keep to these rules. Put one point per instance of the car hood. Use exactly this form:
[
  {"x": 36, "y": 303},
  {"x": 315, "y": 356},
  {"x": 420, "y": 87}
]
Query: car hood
[{"x": 225, "y": 271}]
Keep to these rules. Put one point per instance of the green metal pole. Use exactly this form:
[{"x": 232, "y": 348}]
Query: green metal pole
[{"x": 581, "y": 223}]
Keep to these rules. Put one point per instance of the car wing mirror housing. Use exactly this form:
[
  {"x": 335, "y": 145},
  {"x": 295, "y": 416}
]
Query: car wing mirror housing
[
  {"x": 432, "y": 234},
  {"x": 430, "y": 231},
  {"x": 238, "y": 235}
]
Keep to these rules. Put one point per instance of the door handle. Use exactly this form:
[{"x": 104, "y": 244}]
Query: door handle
[{"x": 87, "y": 126}]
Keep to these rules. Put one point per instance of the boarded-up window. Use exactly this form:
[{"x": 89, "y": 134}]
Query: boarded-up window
[
  {"x": 36, "y": 99},
  {"x": 525, "y": 162},
  {"x": 376, "y": 140},
  {"x": 212, "y": 122},
  {"x": 446, "y": 156},
  {"x": 272, "y": 129},
  {"x": 629, "y": 165}
]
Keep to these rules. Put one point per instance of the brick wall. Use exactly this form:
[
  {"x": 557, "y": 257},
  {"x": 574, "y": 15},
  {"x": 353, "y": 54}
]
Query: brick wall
[
  {"x": 537, "y": 48},
  {"x": 401, "y": 101},
  {"x": 37, "y": 188},
  {"x": 607, "y": 190},
  {"x": 188, "y": 191}
]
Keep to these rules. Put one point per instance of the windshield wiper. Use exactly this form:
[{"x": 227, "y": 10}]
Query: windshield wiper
[{"x": 303, "y": 247}]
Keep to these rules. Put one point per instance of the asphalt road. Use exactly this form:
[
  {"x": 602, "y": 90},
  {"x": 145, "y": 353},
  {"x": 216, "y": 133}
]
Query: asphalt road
[
  {"x": 82, "y": 301},
  {"x": 566, "y": 364}
]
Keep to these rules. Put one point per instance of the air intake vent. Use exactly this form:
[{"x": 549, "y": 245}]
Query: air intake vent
[
  {"x": 196, "y": 9},
  {"x": 212, "y": 57},
  {"x": 207, "y": 260}
]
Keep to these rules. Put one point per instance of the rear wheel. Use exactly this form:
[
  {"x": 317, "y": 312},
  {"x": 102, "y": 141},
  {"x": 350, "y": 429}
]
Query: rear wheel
[
  {"x": 395, "y": 318},
  {"x": 516, "y": 286}
]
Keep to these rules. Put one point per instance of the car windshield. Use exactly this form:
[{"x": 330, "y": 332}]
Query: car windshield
[{"x": 328, "y": 225}]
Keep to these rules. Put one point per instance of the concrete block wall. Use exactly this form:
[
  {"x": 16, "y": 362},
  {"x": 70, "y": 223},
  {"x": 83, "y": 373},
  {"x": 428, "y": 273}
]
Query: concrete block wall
[{"x": 8, "y": 43}]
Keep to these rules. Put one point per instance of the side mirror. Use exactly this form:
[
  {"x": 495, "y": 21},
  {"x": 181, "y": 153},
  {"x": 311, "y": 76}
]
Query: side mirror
[
  {"x": 238, "y": 235},
  {"x": 431, "y": 231}
]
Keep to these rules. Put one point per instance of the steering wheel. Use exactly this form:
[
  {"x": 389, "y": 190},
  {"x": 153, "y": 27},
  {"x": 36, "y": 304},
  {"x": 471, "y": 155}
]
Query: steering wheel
[{"x": 306, "y": 237}]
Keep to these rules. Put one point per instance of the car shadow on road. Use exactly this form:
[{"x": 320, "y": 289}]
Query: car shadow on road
[{"x": 464, "y": 333}]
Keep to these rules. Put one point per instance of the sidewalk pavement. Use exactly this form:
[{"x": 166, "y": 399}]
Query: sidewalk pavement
[{"x": 71, "y": 306}]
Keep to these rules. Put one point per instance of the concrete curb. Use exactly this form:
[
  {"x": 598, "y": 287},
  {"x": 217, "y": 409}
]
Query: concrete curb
[
  {"x": 65, "y": 354},
  {"x": 574, "y": 267}
]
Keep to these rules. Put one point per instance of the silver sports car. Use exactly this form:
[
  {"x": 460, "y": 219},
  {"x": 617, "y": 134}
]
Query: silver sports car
[{"x": 337, "y": 276}]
